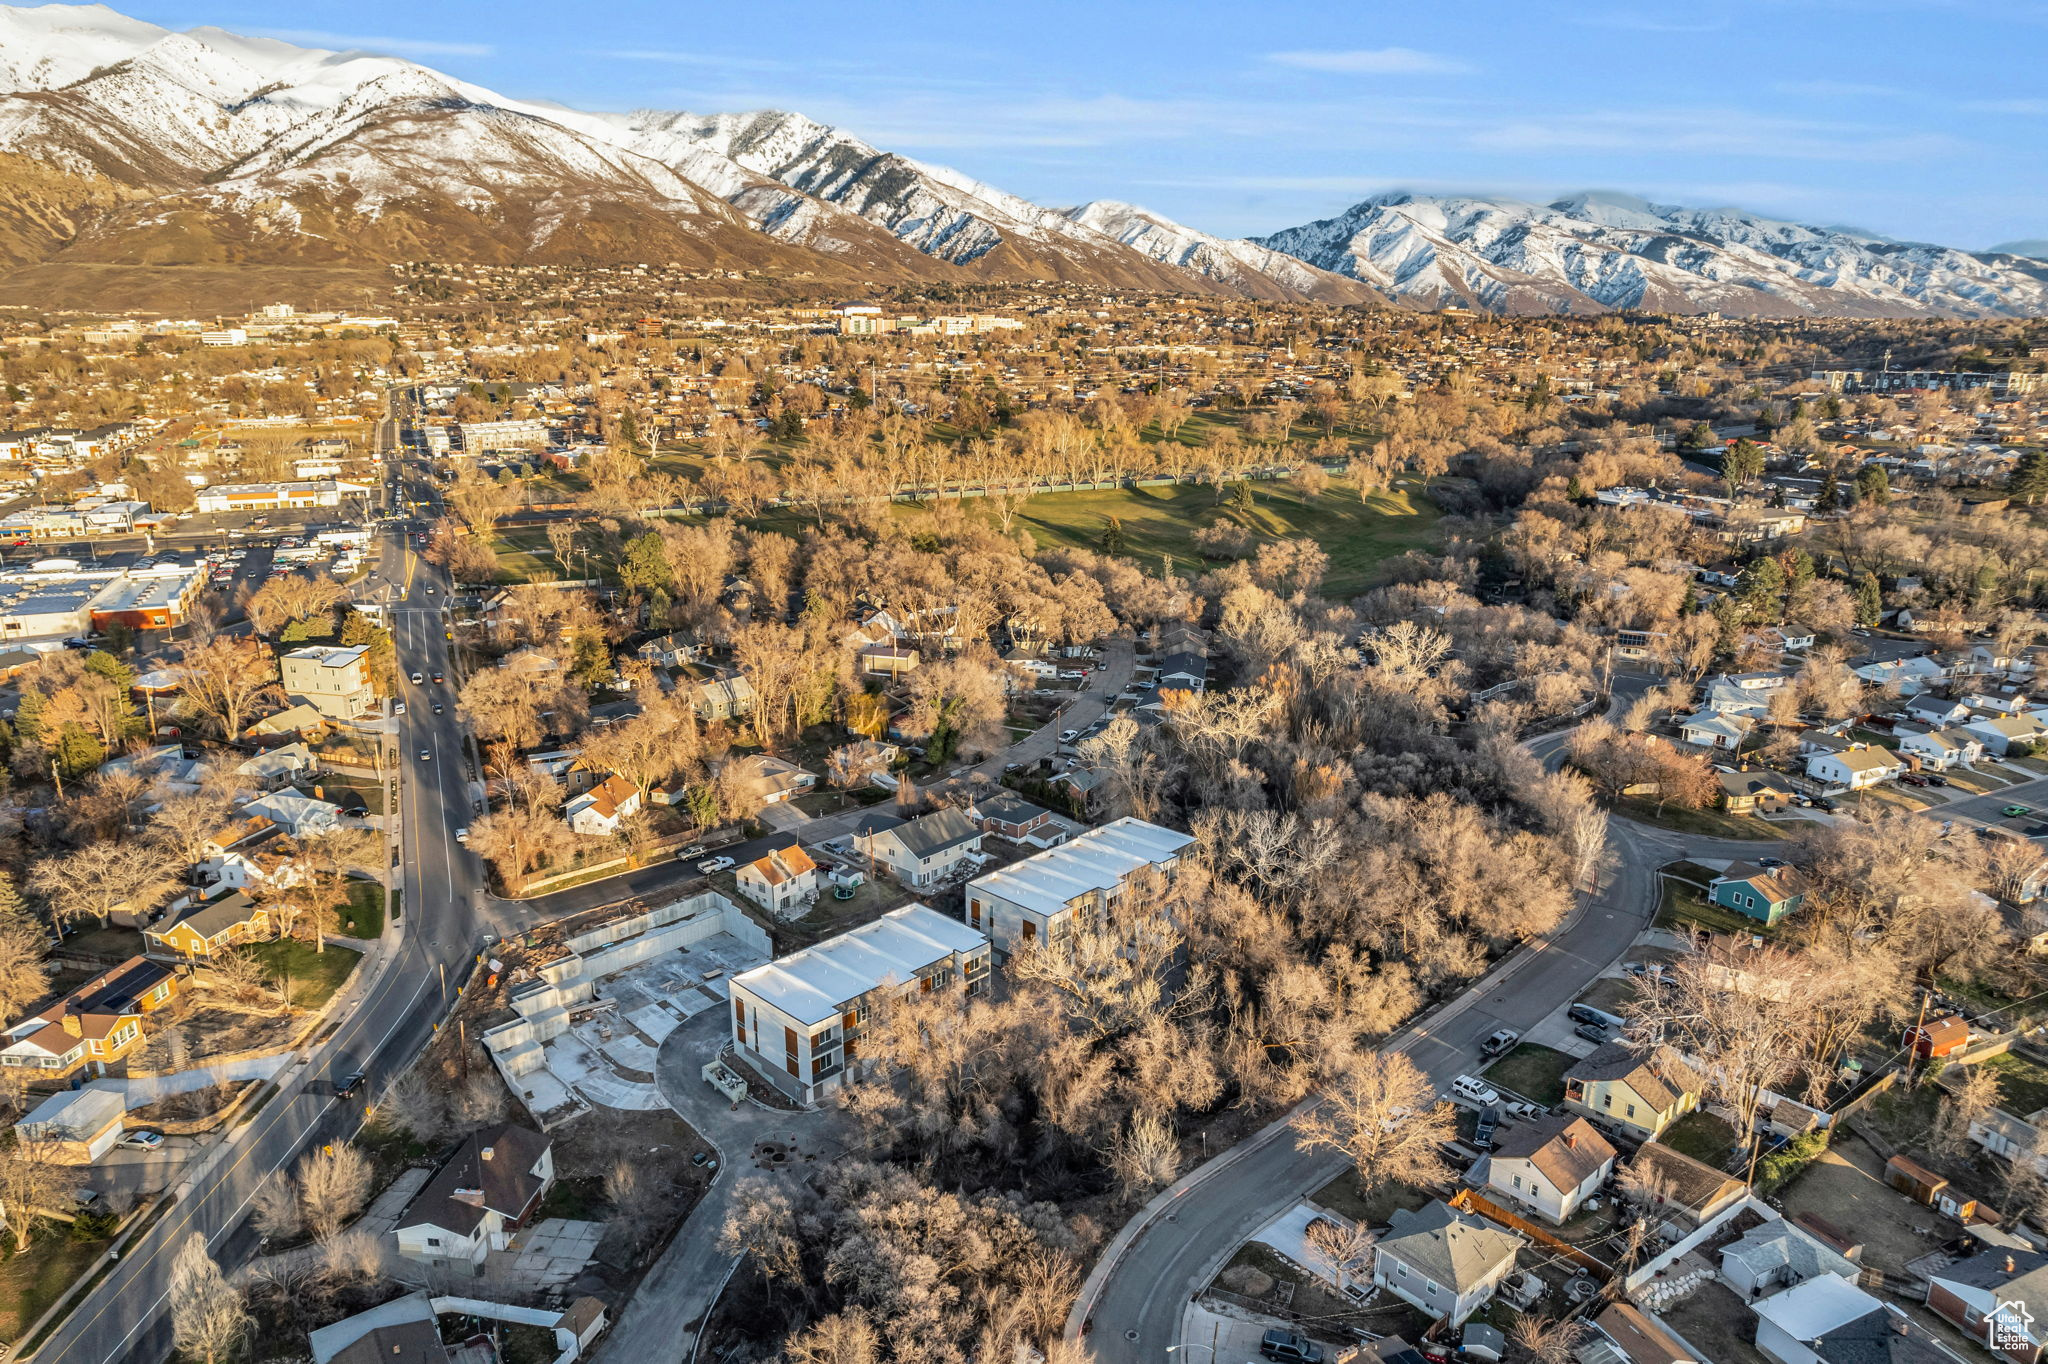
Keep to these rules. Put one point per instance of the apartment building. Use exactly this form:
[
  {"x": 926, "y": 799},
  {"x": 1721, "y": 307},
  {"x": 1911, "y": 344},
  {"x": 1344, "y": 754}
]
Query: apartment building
[
  {"x": 1039, "y": 898},
  {"x": 332, "y": 680},
  {"x": 797, "y": 1020}
]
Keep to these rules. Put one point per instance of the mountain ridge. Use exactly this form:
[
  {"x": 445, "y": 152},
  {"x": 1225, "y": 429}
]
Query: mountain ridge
[{"x": 127, "y": 145}]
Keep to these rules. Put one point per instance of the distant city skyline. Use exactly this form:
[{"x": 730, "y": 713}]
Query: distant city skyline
[{"x": 1918, "y": 119}]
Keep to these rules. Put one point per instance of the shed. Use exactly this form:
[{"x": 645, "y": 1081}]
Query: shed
[
  {"x": 1939, "y": 1037},
  {"x": 1480, "y": 1341},
  {"x": 1922, "y": 1185}
]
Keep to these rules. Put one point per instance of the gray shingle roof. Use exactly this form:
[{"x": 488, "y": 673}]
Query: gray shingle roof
[{"x": 1454, "y": 1249}]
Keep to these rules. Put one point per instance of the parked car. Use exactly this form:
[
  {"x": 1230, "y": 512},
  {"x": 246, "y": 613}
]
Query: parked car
[
  {"x": 1914, "y": 779},
  {"x": 462, "y": 834},
  {"x": 1823, "y": 803},
  {"x": 2015, "y": 811},
  {"x": 1483, "y": 1130},
  {"x": 398, "y": 707},
  {"x": 1586, "y": 1013},
  {"x": 1474, "y": 1090},
  {"x": 1519, "y": 1108},
  {"x": 141, "y": 1139},
  {"x": 1285, "y": 1347},
  {"x": 1073, "y": 675},
  {"x": 1770, "y": 863},
  {"x": 1500, "y": 1042},
  {"x": 1067, "y": 735},
  {"x": 712, "y": 864},
  {"x": 1935, "y": 779},
  {"x": 1592, "y": 1032}
]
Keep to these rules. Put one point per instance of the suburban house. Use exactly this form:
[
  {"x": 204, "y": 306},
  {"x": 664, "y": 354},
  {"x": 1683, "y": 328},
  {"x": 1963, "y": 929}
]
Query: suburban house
[
  {"x": 1630, "y": 1337},
  {"x": 781, "y": 880},
  {"x": 1941, "y": 749},
  {"x": 1182, "y": 672},
  {"x": 797, "y": 1020},
  {"x": 98, "y": 1022},
  {"x": 1754, "y": 793},
  {"x": 773, "y": 779},
  {"x": 75, "y": 1126},
  {"x": 1766, "y": 895},
  {"x": 205, "y": 927},
  {"x": 1008, "y": 815},
  {"x": 331, "y": 679},
  {"x": 279, "y": 764},
  {"x": 671, "y": 651},
  {"x": 1910, "y": 675},
  {"x": 473, "y": 1203},
  {"x": 1636, "y": 1092},
  {"x": 919, "y": 851},
  {"x": 599, "y": 811},
  {"x": 2004, "y": 733},
  {"x": 1777, "y": 1255},
  {"x": 1935, "y": 712},
  {"x": 295, "y": 721},
  {"x": 300, "y": 816},
  {"x": 1934, "y": 1038},
  {"x": 1855, "y": 767},
  {"x": 722, "y": 698},
  {"x": 1688, "y": 1193},
  {"x": 1831, "y": 1321},
  {"x": 1743, "y": 693},
  {"x": 1713, "y": 729},
  {"x": 1550, "y": 1165},
  {"x": 863, "y": 760},
  {"x": 1446, "y": 1262},
  {"x": 1971, "y": 1292},
  {"x": 1038, "y": 898},
  {"x": 886, "y": 660}
]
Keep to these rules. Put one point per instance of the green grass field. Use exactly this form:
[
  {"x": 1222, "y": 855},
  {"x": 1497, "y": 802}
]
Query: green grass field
[
  {"x": 1702, "y": 1136},
  {"x": 1532, "y": 1071},
  {"x": 315, "y": 975},
  {"x": 1162, "y": 521},
  {"x": 364, "y": 917},
  {"x": 33, "y": 1280}
]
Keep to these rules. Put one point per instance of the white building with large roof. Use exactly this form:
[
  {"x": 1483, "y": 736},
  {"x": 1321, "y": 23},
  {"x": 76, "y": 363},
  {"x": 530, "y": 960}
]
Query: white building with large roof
[
  {"x": 798, "y": 1019},
  {"x": 1037, "y": 899}
]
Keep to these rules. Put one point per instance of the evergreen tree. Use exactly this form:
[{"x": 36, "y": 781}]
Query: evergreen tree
[
  {"x": 28, "y": 717},
  {"x": 1873, "y": 485},
  {"x": 1762, "y": 583},
  {"x": 1830, "y": 492},
  {"x": 1741, "y": 462},
  {"x": 1869, "y": 600},
  {"x": 13, "y": 909},
  {"x": 79, "y": 750},
  {"x": 1113, "y": 536},
  {"x": 1241, "y": 495},
  {"x": 2029, "y": 481}
]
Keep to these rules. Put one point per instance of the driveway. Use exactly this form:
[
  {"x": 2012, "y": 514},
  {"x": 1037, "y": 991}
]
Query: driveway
[{"x": 660, "y": 1323}]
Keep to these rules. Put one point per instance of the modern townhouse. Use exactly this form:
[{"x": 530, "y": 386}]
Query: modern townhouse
[{"x": 1041, "y": 898}]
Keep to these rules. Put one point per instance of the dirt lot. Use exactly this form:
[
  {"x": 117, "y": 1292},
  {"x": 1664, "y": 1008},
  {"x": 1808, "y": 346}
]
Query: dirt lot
[
  {"x": 211, "y": 1026},
  {"x": 1846, "y": 1187}
]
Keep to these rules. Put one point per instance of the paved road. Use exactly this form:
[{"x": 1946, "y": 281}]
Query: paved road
[
  {"x": 444, "y": 922},
  {"x": 1132, "y": 1306}
]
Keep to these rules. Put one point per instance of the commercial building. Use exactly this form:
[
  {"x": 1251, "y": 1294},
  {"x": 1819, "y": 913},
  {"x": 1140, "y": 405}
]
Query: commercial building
[
  {"x": 478, "y": 437},
  {"x": 1038, "y": 898},
  {"x": 148, "y": 602},
  {"x": 798, "y": 1020},
  {"x": 332, "y": 680},
  {"x": 324, "y": 492}
]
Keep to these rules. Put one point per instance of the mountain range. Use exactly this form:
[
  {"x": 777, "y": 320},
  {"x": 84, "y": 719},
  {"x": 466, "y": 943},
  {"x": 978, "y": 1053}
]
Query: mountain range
[{"x": 131, "y": 154}]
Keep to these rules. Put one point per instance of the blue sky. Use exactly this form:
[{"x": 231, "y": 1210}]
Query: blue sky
[{"x": 1920, "y": 119}]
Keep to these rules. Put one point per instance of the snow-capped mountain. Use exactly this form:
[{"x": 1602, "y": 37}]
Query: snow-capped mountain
[
  {"x": 124, "y": 145},
  {"x": 1597, "y": 251},
  {"x": 1243, "y": 266}
]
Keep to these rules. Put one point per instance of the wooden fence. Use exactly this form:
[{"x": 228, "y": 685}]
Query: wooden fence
[{"x": 1465, "y": 1200}]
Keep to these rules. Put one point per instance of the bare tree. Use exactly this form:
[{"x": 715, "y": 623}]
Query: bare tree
[
  {"x": 1969, "y": 1101},
  {"x": 1384, "y": 1117},
  {"x": 32, "y": 1181},
  {"x": 208, "y": 1320},
  {"x": 1546, "y": 1340},
  {"x": 353, "y": 1256},
  {"x": 224, "y": 678},
  {"x": 275, "y": 1209},
  {"x": 1145, "y": 1156},
  {"x": 334, "y": 1182},
  {"x": 1342, "y": 1251}
]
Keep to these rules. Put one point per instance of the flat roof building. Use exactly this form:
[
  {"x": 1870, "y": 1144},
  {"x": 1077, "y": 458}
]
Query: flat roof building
[
  {"x": 1036, "y": 899},
  {"x": 798, "y": 1019}
]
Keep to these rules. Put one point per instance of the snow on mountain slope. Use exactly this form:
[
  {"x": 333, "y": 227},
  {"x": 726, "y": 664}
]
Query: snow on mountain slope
[
  {"x": 45, "y": 47},
  {"x": 1600, "y": 251},
  {"x": 1244, "y": 266}
]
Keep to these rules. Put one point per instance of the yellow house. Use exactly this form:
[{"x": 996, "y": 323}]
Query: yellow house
[
  {"x": 1631, "y": 1090},
  {"x": 210, "y": 926}
]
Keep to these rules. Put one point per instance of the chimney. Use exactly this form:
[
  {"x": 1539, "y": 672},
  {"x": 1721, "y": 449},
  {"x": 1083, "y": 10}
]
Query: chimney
[
  {"x": 487, "y": 1151},
  {"x": 1571, "y": 1140},
  {"x": 2010, "y": 1267}
]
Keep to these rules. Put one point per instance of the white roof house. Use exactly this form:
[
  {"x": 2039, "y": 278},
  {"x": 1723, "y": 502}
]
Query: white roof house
[
  {"x": 814, "y": 985},
  {"x": 1098, "y": 860}
]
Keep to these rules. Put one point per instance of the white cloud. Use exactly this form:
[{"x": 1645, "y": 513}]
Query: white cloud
[
  {"x": 2008, "y": 106},
  {"x": 1633, "y": 22},
  {"x": 1381, "y": 61},
  {"x": 403, "y": 47}
]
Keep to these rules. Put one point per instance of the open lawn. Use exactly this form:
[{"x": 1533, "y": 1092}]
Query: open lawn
[
  {"x": 364, "y": 917},
  {"x": 1702, "y": 1136},
  {"x": 1341, "y": 1195},
  {"x": 1162, "y": 521},
  {"x": 1846, "y": 1188},
  {"x": 1712, "y": 823},
  {"x": 31, "y": 1281},
  {"x": 1978, "y": 780},
  {"x": 1533, "y": 1072},
  {"x": 2022, "y": 1083},
  {"x": 1609, "y": 993},
  {"x": 1683, "y": 906},
  {"x": 315, "y": 975}
]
